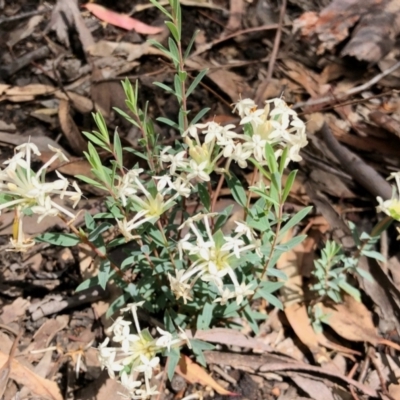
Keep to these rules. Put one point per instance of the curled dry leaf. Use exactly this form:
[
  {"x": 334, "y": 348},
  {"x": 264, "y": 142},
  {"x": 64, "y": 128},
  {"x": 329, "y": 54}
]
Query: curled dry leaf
[{"x": 123, "y": 21}]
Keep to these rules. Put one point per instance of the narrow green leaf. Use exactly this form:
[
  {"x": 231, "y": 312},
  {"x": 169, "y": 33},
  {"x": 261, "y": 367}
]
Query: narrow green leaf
[
  {"x": 204, "y": 196},
  {"x": 174, "y": 30},
  {"x": 103, "y": 227},
  {"x": 288, "y": 185},
  {"x": 167, "y": 121},
  {"x": 58, "y": 239},
  {"x": 157, "y": 4},
  {"x": 270, "y": 157},
  {"x": 96, "y": 140},
  {"x": 88, "y": 283},
  {"x": 294, "y": 221},
  {"x": 118, "y": 149},
  {"x": 126, "y": 116},
  {"x": 238, "y": 193},
  {"x": 190, "y": 45},
  {"x": 173, "y": 358},
  {"x": 104, "y": 273},
  {"x": 90, "y": 181},
  {"x": 195, "y": 82},
  {"x": 178, "y": 88},
  {"x": 200, "y": 115},
  {"x": 165, "y": 87}
]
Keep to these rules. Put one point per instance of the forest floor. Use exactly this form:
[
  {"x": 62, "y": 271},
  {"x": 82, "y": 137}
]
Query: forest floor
[{"x": 334, "y": 62}]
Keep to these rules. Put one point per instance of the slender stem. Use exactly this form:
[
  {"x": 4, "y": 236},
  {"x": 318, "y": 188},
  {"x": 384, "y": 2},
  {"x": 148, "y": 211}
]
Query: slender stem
[
  {"x": 217, "y": 192},
  {"x": 161, "y": 229},
  {"x": 273, "y": 245}
]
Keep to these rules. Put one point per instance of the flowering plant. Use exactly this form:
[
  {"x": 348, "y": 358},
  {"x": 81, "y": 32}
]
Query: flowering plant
[{"x": 189, "y": 264}]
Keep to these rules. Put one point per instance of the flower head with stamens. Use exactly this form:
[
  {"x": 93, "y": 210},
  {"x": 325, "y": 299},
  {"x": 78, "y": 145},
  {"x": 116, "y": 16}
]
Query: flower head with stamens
[
  {"x": 27, "y": 191},
  {"x": 137, "y": 354}
]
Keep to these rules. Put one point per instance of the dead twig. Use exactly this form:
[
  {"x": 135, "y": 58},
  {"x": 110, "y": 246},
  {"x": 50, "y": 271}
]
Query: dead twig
[
  {"x": 356, "y": 167},
  {"x": 263, "y": 87},
  {"x": 353, "y": 91}
]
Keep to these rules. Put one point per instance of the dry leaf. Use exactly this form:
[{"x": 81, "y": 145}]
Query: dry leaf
[
  {"x": 71, "y": 12},
  {"x": 351, "y": 320},
  {"x": 13, "y": 311},
  {"x": 37, "y": 385},
  {"x": 25, "y": 31},
  {"x": 29, "y": 91},
  {"x": 193, "y": 373},
  {"x": 69, "y": 128},
  {"x": 123, "y": 21},
  {"x": 80, "y": 103},
  {"x": 132, "y": 51}
]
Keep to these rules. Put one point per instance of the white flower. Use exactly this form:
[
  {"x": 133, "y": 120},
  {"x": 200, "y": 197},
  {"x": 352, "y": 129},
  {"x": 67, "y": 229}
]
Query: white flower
[
  {"x": 182, "y": 187},
  {"x": 147, "y": 365},
  {"x": 129, "y": 383},
  {"x": 165, "y": 340},
  {"x": 198, "y": 171},
  {"x": 257, "y": 145},
  {"x": 244, "y": 107},
  {"x": 242, "y": 291},
  {"x": 241, "y": 155},
  {"x": 226, "y": 295}
]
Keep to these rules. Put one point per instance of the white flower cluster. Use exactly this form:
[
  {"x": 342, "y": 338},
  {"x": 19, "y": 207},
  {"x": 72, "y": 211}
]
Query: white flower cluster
[
  {"x": 27, "y": 192},
  {"x": 276, "y": 124},
  {"x": 149, "y": 207},
  {"x": 137, "y": 353},
  {"x": 213, "y": 258}
]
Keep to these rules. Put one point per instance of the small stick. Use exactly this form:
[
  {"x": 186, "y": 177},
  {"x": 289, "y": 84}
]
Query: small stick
[
  {"x": 263, "y": 87},
  {"x": 355, "y": 90}
]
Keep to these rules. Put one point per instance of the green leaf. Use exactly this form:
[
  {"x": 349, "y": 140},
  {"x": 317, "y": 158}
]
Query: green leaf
[
  {"x": 204, "y": 196},
  {"x": 90, "y": 181},
  {"x": 270, "y": 157},
  {"x": 96, "y": 140},
  {"x": 223, "y": 217},
  {"x": 88, "y": 283},
  {"x": 288, "y": 185},
  {"x": 157, "y": 4},
  {"x": 118, "y": 303},
  {"x": 200, "y": 115},
  {"x": 238, "y": 193},
  {"x": 178, "y": 88},
  {"x": 126, "y": 116},
  {"x": 173, "y": 359},
  {"x": 365, "y": 274},
  {"x": 204, "y": 319},
  {"x": 373, "y": 254},
  {"x": 174, "y": 30},
  {"x": 103, "y": 227},
  {"x": 190, "y": 45},
  {"x": 294, "y": 221},
  {"x": 89, "y": 221},
  {"x": 167, "y": 121},
  {"x": 58, "y": 239},
  {"x": 118, "y": 149},
  {"x": 165, "y": 87},
  {"x": 174, "y": 51},
  {"x": 195, "y": 82},
  {"x": 352, "y": 291},
  {"x": 104, "y": 273},
  {"x": 197, "y": 347},
  {"x": 101, "y": 124}
]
